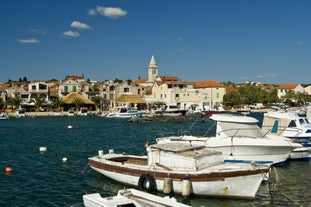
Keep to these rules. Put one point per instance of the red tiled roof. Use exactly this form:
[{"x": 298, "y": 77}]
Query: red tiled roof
[
  {"x": 288, "y": 86},
  {"x": 142, "y": 80},
  {"x": 169, "y": 78},
  {"x": 207, "y": 83},
  {"x": 231, "y": 88}
]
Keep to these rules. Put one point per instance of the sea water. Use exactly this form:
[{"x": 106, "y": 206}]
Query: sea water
[{"x": 45, "y": 178}]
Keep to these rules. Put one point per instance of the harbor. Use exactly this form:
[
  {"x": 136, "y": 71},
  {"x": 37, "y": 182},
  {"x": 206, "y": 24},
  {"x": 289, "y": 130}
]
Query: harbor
[{"x": 49, "y": 162}]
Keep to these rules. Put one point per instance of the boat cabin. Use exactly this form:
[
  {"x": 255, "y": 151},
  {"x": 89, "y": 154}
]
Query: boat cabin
[{"x": 182, "y": 156}]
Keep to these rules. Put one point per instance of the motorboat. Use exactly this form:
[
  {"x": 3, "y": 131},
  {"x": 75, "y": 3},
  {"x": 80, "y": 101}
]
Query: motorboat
[
  {"x": 130, "y": 197},
  {"x": 123, "y": 112},
  {"x": 290, "y": 124},
  {"x": 21, "y": 112},
  {"x": 171, "y": 111},
  {"x": 3, "y": 116},
  {"x": 184, "y": 169},
  {"x": 240, "y": 139}
]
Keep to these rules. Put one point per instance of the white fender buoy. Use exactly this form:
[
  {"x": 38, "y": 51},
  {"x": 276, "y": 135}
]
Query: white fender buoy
[
  {"x": 69, "y": 127},
  {"x": 64, "y": 159},
  {"x": 42, "y": 149},
  {"x": 167, "y": 185},
  {"x": 186, "y": 187}
]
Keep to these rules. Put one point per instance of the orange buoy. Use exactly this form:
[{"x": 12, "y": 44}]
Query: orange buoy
[{"x": 8, "y": 169}]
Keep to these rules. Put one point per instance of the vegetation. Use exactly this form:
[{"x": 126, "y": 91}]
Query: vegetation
[
  {"x": 97, "y": 100},
  {"x": 38, "y": 102},
  {"x": 78, "y": 103},
  {"x": 57, "y": 103},
  {"x": 1, "y": 103},
  {"x": 250, "y": 94}
]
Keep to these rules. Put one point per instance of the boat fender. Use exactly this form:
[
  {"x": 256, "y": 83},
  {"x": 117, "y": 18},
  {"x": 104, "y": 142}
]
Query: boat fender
[
  {"x": 167, "y": 185},
  {"x": 146, "y": 182},
  {"x": 186, "y": 186}
]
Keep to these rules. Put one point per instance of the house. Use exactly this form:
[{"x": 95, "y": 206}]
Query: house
[
  {"x": 211, "y": 93},
  {"x": 283, "y": 89}
]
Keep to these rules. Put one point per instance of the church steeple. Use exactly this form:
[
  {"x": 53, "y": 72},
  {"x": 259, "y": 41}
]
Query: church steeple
[{"x": 153, "y": 70}]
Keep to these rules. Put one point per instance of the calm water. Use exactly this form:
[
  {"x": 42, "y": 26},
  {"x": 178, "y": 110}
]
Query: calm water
[{"x": 42, "y": 179}]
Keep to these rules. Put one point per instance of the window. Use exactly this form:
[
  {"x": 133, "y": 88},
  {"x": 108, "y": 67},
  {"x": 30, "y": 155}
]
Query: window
[
  {"x": 66, "y": 89},
  {"x": 33, "y": 87},
  {"x": 125, "y": 90},
  {"x": 74, "y": 88},
  {"x": 292, "y": 124}
]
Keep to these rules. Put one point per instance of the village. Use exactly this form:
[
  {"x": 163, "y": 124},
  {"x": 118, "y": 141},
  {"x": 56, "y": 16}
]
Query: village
[{"x": 75, "y": 93}]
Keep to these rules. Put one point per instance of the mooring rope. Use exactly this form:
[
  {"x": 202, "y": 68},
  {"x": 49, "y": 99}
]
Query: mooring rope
[
  {"x": 278, "y": 178},
  {"x": 87, "y": 165}
]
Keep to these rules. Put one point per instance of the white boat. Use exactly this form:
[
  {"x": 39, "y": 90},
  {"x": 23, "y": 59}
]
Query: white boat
[
  {"x": 130, "y": 197},
  {"x": 123, "y": 112},
  {"x": 240, "y": 139},
  {"x": 21, "y": 112},
  {"x": 3, "y": 116},
  {"x": 290, "y": 124},
  {"x": 182, "y": 169}
]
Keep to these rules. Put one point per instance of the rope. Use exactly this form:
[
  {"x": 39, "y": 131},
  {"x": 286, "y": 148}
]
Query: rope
[
  {"x": 278, "y": 178},
  {"x": 82, "y": 172}
]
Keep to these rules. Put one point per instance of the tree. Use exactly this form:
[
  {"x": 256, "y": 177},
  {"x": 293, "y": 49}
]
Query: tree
[
  {"x": 97, "y": 100},
  {"x": 78, "y": 103},
  {"x": 1, "y": 103},
  {"x": 16, "y": 102},
  {"x": 57, "y": 103},
  {"x": 38, "y": 102}
]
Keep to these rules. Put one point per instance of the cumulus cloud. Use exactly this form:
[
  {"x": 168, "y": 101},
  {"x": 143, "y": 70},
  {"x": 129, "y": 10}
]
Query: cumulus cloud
[
  {"x": 79, "y": 25},
  {"x": 29, "y": 41},
  {"x": 92, "y": 12},
  {"x": 71, "y": 34},
  {"x": 110, "y": 12}
]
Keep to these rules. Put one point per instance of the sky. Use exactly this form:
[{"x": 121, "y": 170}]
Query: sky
[{"x": 265, "y": 41}]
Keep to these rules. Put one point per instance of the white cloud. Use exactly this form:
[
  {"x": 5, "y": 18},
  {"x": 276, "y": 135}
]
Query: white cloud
[
  {"x": 181, "y": 50},
  {"x": 266, "y": 76},
  {"x": 79, "y": 25},
  {"x": 29, "y": 41},
  {"x": 299, "y": 43},
  {"x": 179, "y": 38},
  {"x": 111, "y": 12},
  {"x": 71, "y": 34},
  {"x": 92, "y": 12},
  {"x": 39, "y": 31}
]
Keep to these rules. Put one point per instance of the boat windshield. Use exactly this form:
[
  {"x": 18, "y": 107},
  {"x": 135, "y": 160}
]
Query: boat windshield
[{"x": 241, "y": 130}]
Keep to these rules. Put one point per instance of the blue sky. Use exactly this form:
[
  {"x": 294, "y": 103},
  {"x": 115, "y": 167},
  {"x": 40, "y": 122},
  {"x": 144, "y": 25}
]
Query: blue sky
[{"x": 224, "y": 40}]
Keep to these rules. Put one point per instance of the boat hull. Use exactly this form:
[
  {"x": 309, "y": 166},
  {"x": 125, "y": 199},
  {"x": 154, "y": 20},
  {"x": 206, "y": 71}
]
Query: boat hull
[
  {"x": 241, "y": 150},
  {"x": 224, "y": 183}
]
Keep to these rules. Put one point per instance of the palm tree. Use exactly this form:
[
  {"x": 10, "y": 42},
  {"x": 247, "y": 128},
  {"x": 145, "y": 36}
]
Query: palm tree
[
  {"x": 38, "y": 102},
  {"x": 57, "y": 103},
  {"x": 78, "y": 103}
]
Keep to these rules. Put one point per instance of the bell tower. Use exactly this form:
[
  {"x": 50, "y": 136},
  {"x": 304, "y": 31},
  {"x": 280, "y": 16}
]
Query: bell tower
[{"x": 152, "y": 70}]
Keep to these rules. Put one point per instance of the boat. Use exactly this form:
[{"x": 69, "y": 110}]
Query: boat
[
  {"x": 171, "y": 111},
  {"x": 210, "y": 112},
  {"x": 240, "y": 139},
  {"x": 123, "y": 112},
  {"x": 4, "y": 116},
  {"x": 184, "y": 169},
  {"x": 21, "y": 112},
  {"x": 129, "y": 198},
  {"x": 290, "y": 124}
]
